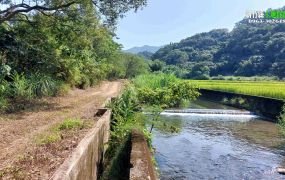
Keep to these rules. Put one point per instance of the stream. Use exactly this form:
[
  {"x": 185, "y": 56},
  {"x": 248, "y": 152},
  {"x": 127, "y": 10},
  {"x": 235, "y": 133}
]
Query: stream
[{"x": 213, "y": 141}]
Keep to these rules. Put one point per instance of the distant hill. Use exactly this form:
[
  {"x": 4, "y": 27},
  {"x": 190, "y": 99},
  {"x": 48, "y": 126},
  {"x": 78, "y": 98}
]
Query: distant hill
[
  {"x": 250, "y": 49},
  {"x": 145, "y": 48}
]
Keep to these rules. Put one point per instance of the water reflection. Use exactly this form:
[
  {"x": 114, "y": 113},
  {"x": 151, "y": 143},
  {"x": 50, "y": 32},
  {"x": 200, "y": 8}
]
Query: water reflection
[{"x": 218, "y": 147}]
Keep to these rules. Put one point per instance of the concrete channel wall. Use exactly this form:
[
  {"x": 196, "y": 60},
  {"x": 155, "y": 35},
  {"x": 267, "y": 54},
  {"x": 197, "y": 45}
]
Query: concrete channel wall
[
  {"x": 267, "y": 107},
  {"x": 84, "y": 163},
  {"x": 141, "y": 158}
]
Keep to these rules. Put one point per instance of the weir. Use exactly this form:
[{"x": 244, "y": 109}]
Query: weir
[
  {"x": 210, "y": 111},
  {"x": 263, "y": 106}
]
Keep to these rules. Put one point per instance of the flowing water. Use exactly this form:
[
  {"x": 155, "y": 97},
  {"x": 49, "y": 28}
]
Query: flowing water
[{"x": 217, "y": 145}]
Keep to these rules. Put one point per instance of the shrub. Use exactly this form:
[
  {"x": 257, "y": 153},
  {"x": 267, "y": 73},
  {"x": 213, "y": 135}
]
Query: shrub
[
  {"x": 84, "y": 82},
  {"x": 125, "y": 116},
  {"x": 125, "y": 106},
  {"x": 165, "y": 90}
]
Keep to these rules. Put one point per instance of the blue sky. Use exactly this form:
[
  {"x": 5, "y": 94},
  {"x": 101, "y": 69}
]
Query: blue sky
[{"x": 165, "y": 21}]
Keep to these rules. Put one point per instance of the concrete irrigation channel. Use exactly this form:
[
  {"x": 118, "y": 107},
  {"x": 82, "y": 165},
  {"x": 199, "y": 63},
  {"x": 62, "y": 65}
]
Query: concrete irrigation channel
[{"x": 86, "y": 161}]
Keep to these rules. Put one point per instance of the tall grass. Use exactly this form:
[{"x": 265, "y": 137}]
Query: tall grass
[
  {"x": 154, "y": 81},
  {"x": 272, "y": 89},
  {"x": 43, "y": 85},
  {"x": 4, "y": 89},
  {"x": 21, "y": 88}
]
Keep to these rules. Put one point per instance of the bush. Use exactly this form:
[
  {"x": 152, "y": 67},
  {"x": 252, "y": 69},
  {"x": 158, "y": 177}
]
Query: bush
[
  {"x": 165, "y": 90},
  {"x": 125, "y": 117},
  {"x": 84, "y": 82},
  {"x": 124, "y": 108}
]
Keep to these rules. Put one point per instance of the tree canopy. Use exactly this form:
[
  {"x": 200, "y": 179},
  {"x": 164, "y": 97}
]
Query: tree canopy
[{"x": 110, "y": 10}]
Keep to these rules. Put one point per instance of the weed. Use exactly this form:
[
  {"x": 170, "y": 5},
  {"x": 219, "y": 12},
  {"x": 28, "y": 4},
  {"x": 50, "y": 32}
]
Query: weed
[
  {"x": 225, "y": 100},
  {"x": 48, "y": 138},
  {"x": 233, "y": 101},
  {"x": 241, "y": 101},
  {"x": 69, "y": 124},
  {"x": 55, "y": 133},
  {"x": 25, "y": 157},
  {"x": 63, "y": 89},
  {"x": 2, "y": 173}
]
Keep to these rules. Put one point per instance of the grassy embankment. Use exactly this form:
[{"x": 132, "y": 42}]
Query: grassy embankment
[{"x": 271, "y": 89}]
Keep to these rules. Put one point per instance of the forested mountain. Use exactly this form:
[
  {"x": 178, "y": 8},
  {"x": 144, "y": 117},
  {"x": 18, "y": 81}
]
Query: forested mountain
[
  {"x": 145, "y": 48},
  {"x": 145, "y": 54},
  {"x": 248, "y": 50}
]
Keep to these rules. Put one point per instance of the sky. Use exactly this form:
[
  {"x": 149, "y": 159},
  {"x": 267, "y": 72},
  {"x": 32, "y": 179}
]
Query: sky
[{"x": 165, "y": 21}]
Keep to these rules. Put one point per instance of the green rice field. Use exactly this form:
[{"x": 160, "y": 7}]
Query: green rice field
[{"x": 272, "y": 89}]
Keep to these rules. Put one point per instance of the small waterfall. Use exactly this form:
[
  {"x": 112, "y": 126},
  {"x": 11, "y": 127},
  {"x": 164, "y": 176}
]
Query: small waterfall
[{"x": 210, "y": 111}]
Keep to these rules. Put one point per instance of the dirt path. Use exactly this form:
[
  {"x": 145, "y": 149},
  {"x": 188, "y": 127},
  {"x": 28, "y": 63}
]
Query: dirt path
[{"x": 18, "y": 131}]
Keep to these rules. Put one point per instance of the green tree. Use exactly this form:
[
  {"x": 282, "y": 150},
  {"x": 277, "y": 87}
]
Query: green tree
[
  {"x": 135, "y": 65},
  {"x": 255, "y": 65},
  {"x": 199, "y": 71},
  {"x": 156, "y": 65},
  {"x": 176, "y": 57}
]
